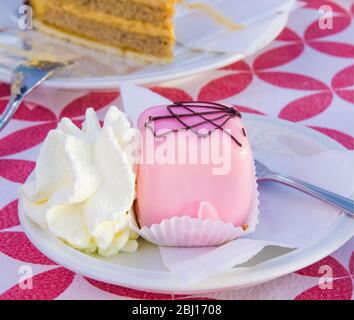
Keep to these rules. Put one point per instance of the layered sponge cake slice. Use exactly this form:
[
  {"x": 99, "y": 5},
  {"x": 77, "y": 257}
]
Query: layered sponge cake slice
[{"x": 138, "y": 28}]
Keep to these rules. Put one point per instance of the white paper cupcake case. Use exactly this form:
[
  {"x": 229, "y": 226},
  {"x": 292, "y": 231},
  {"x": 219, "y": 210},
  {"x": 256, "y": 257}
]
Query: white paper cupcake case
[{"x": 195, "y": 232}]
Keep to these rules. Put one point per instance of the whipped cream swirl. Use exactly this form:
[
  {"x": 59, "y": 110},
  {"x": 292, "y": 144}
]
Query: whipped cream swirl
[{"x": 83, "y": 186}]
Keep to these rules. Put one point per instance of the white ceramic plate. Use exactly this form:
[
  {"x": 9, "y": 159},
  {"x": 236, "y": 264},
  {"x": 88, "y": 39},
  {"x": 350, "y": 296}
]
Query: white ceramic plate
[
  {"x": 98, "y": 70},
  {"x": 144, "y": 269}
]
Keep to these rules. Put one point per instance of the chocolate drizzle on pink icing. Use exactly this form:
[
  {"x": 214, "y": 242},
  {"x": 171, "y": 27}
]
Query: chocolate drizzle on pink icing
[{"x": 222, "y": 113}]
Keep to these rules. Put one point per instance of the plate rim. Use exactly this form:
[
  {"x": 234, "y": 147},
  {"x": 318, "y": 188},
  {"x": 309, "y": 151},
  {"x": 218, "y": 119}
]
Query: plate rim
[
  {"x": 112, "y": 82},
  {"x": 241, "y": 277}
]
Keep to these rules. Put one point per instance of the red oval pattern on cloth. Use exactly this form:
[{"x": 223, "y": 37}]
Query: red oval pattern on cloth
[
  {"x": 342, "y": 289},
  {"x": 291, "y": 80},
  {"x": 9, "y": 215},
  {"x": 336, "y": 49},
  {"x": 344, "y": 78},
  {"x": 278, "y": 56},
  {"x": 16, "y": 170},
  {"x": 343, "y": 84},
  {"x": 138, "y": 294},
  {"x": 4, "y": 89},
  {"x": 17, "y": 246},
  {"x": 306, "y": 107},
  {"x": 314, "y": 31},
  {"x": 347, "y": 95},
  {"x": 335, "y": 282},
  {"x": 24, "y": 139},
  {"x": 238, "y": 66},
  {"x": 343, "y": 138},
  {"x": 95, "y": 100},
  {"x": 46, "y": 286},
  {"x": 288, "y": 35},
  {"x": 172, "y": 94},
  {"x": 351, "y": 263},
  {"x": 225, "y": 87},
  {"x": 314, "y": 270},
  {"x": 131, "y": 293},
  {"x": 30, "y": 112},
  {"x": 317, "y": 4}
]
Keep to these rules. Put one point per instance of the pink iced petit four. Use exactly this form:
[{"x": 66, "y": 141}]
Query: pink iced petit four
[{"x": 196, "y": 161}]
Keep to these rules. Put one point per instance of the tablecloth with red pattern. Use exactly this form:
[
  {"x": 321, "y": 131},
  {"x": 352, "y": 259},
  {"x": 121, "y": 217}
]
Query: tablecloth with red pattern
[{"x": 305, "y": 76}]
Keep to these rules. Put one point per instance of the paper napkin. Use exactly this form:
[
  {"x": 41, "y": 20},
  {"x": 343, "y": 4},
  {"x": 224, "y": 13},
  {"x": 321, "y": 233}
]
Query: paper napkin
[{"x": 260, "y": 20}]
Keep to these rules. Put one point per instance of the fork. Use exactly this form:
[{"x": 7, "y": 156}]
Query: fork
[
  {"x": 344, "y": 204},
  {"x": 26, "y": 77}
]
